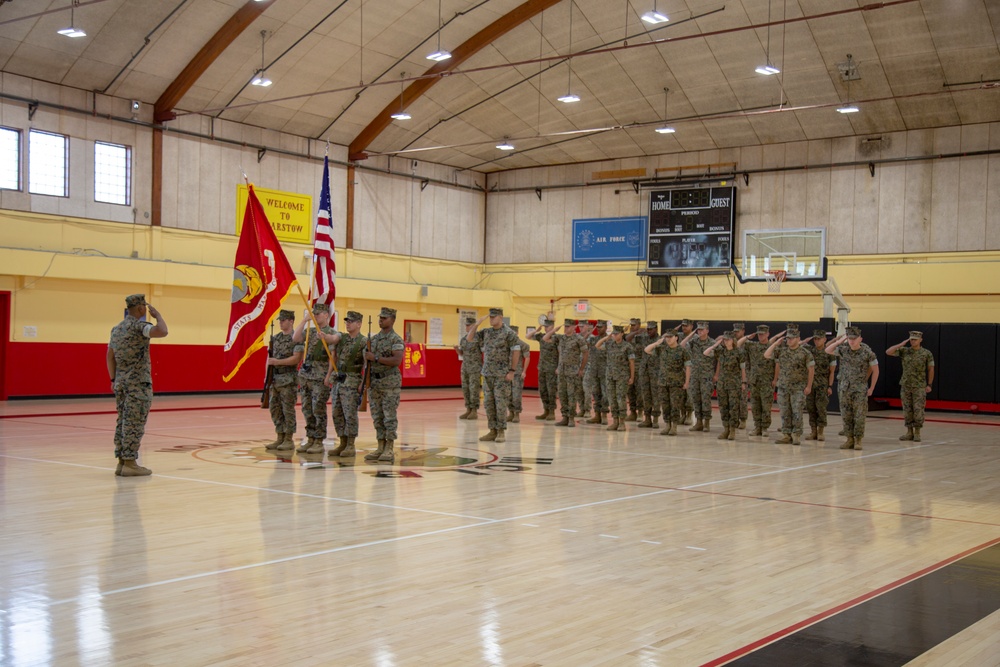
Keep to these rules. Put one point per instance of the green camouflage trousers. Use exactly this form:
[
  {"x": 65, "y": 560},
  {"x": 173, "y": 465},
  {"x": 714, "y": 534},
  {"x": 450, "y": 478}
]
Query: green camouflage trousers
[
  {"x": 854, "y": 410},
  {"x": 548, "y": 388},
  {"x": 617, "y": 396},
  {"x": 649, "y": 392},
  {"x": 761, "y": 400},
  {"x": 791, "y": 403},
  {"x": 472, "y": 380},
  {"x": 283, "y": 408},
  {"x": 516, "y": 390},
  {"x": 581, "y": 404},
  {"x": 594, "y": 390},
  {"x": 700, "y": 389},
  {"x": 914, "y": 401},
  {"x": 672, "y": 400},
  {"x": 816, "y": 404},
  {"x": 314, "y": 397},
  {"x": 632, "y": 394},
  {"x": 383, "y": 401},
  {"x": 496, "y": 395},
  {"x": 133, "y": 404},
  {"x": 729, "y": 392},
  {"x": 570, "y": 384},
  {"x": 345, "y": 409}
]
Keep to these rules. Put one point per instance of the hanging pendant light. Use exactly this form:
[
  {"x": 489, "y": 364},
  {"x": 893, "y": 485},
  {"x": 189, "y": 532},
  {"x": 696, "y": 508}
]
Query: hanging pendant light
[
  {"x": 440, "y": 54},
  {"x": 401, "y": 115},
  {"x": 72, "y": 30},
  {"x": 261, "y": 78},
  {"x": 665, "y": 129},
  {"x": 569, "y": 97}
]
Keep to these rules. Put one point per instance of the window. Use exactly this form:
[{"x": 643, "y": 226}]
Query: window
[
  {"x": 47, "y": 160},
  {"x": 112, "y": 173},
  {"x": 10, "y": 159}
]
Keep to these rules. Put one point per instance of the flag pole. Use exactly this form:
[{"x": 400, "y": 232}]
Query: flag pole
[{"x": 312, "y": 316}]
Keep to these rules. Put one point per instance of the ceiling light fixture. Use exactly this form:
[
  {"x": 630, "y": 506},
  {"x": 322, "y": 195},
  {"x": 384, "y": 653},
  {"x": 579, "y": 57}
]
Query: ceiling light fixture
[
  {"x": 261, "y": 75},
  {"x": 849, "y": 70},
  {"x": 654, "y": 16},
  {"x": 767, "y": 69},
  {"x": 569, "y": 97},
  {"x": 666, "y": 129},
  {"x": 72, "y": 30},
  {"x": 440, "y": 54},
  {"x": 401, "y": 115},
  {"x": 506, "y": 145}
]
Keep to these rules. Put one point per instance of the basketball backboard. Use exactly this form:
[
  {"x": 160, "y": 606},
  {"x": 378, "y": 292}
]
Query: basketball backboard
[{"x": 800, "y": 253}]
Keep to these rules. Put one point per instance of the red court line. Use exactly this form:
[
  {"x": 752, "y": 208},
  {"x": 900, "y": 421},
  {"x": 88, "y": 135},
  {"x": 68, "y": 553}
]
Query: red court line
[{"x": 812, "y": 620}]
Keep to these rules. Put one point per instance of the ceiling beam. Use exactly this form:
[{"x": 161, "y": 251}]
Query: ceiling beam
[
  {"x": 213, "y": 48},
  {"x": 469, "y": 48}
]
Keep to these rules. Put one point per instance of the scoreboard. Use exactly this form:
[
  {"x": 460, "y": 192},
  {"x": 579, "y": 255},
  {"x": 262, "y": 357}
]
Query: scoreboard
[{"x": 691, "y": 230}]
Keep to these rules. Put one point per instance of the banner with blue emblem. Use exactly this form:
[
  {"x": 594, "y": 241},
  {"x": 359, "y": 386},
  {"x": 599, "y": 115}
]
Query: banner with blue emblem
[{"x": 609, "y": 239}]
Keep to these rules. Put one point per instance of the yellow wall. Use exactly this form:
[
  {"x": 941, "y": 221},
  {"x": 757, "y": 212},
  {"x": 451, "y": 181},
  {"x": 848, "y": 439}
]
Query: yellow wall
[{"x": 69, "y": 278}]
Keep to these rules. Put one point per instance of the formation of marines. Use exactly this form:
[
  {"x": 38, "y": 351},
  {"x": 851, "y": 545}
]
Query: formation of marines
[{"x": 626, "y": 375}]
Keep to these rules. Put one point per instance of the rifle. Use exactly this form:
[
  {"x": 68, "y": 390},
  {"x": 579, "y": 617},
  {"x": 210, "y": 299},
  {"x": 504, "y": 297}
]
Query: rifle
[
  {"x": 265, "y": 396},
  {"x": 366, "y": 385}
]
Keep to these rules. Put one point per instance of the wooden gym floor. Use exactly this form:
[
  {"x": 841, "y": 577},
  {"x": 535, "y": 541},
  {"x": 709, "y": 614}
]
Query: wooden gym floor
[{"x": 559, "y": 547}]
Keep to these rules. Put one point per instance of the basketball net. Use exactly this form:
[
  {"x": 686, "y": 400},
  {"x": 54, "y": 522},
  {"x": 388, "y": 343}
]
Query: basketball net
[{"x": 774, "y": 279}]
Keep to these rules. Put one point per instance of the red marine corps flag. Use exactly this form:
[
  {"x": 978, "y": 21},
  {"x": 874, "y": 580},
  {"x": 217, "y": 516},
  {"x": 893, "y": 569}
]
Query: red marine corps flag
[{"x": 262, "y": 279}]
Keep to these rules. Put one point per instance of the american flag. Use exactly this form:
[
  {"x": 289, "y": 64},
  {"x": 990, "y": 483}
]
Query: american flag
[{"x": 324, "y": 283}]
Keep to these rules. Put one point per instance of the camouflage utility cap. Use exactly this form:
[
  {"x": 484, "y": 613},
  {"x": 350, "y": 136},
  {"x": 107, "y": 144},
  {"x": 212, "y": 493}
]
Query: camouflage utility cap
[
  {"x": 286, "y": 315},
  {"x": 687, "y": 323},
  {"x": 569, "y": 323},
  {"x": 819, "y": 333},
  {"x": 470, "y": 320},
  {"x": 651, "y": 324},
  {"x": 601, "y": 324},
  {"x": 853, "y": 332},
  {"x": 916, "y": 335},
  {"x": 763, "y": 329},
  {"x": 496, "y": 312},
  {"x": 353, "y": 316},
  {"x": 670, "y": 333},
  {"x": 617, "y": 328},
  {"x": 514, "y": 328},
  {"x": 134, "y": 300},
  {"x": 738, "y": 326},
  {"x": 730, "y": 335},
  {"x": 635, "y": 320},
  {"x": 387, "y": 312},
  {"x": 792, "y": 333},
  {"x": 703, "y": 325},
  {"x": 549, "y": 322},
  {"x": 321, "y": 308}
]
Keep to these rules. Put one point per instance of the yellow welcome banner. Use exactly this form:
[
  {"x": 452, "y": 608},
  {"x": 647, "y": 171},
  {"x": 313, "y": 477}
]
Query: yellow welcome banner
[{"x": 290, "y": 214}]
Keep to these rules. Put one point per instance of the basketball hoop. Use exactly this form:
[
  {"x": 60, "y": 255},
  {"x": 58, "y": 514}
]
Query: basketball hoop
[{"x": 774, "y": 279}]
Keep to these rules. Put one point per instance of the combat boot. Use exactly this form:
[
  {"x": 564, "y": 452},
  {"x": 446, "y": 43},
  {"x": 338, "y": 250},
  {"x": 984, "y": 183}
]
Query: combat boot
[
  {"x": 819, "y": 433},
  {"x": 699, "y": 426},
  {"x": 387, "y": 455},
  {"x": 916, "y": 434},
  {"x": 646, "y": 423},
  {"x": 614, "y": 424},
  {"x": 743, "y": 424},
  {"x": 501, "y": 435},
  {"x": 585, "y": 414},
  {"x": 336, "y": 451},
  {"x": 277, "y": 441},
  {"x": 464, "y": 415},
  {"x": 631, "y": 416},
  {"x": 842, "y": 431},
  {"x": 596, "y": 419},
  {"x": 121, "y": 464},
  {"x": 542, "y": 417},
  {"x": 473, "y": 414},
  {"x": 724, "y": 435},
  {"x": 756, "y": 431},
  {"x": 666, "y": 429},
  {"x": 687, "y": 418},
  {"x": 373, "y": 456},
  {"x": 132, "y": 469},
  {"x": 563, "y": 422},
  {"x": 909, "y": 434},
  {"x": 516, "y": 418},
  {"x": 349, "y": 449},
  {"x": 304, "y": 447},
  {"x": 705, "y": 424},
  {"x": 813, "y": 435},
  {"x": 795, "y": 439},
  {"x": 510, "y": 415},
  {"x": 785, "y": 439},
  {"x": 732, "y": 434},
  {"x": 604, "y": 418},
  {"x": 849, "y": 444},
  {"x": 656, "y": 421},
  {"x": 317, "y": 447},
  {"x": 287, "y": 444},
  {"x": 489, "y": 437},
  {"x": 551, "y": 415},
  {"x": 621, "y": 426},
  {"x": 673, "y": 428},
  {"x": 857, "y": 444}
]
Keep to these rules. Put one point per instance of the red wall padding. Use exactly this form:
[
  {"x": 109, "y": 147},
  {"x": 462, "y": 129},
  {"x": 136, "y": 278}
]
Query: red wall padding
[{"x": 73, "y": 369}]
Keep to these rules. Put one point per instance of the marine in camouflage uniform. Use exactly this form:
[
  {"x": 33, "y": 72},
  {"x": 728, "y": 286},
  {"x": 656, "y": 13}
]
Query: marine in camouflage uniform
[
  {"x": 854, "y": 360},
  {"x": 501, "y": 356},
  {"x": 702, "y": 370},
  {"x": 686, "y": 329},
  {"x": 517, "y": 383},
  {"x": 350, "y": 353},
  {"x": 283, "y": 360},
  {"x": 796, "y": 369},
  {"x": 548, "y": 381},
  {"x": 386, "y": 355},
  {"x": 739, "y": 330},
  {"x": 760, "y": 378},
  {"x": 132, "y": 380},
  {"x": 648, "y": 376},
  {"x": 472, "y": 371},
  {"x": 730, "y": 381},
  {"x": 619, "y": 374},
  {"x": 674, "y": 374},
  {"x": 582, "y": 403},
  {"x": 315, "y": 365},
  {"x": 593, "y": 377},
  {"x": 915, "y": 384},
  {"x": 635, "y": 326},
  {"x": 573, "y": 353},
  {"x": 819, "y": 398}
]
